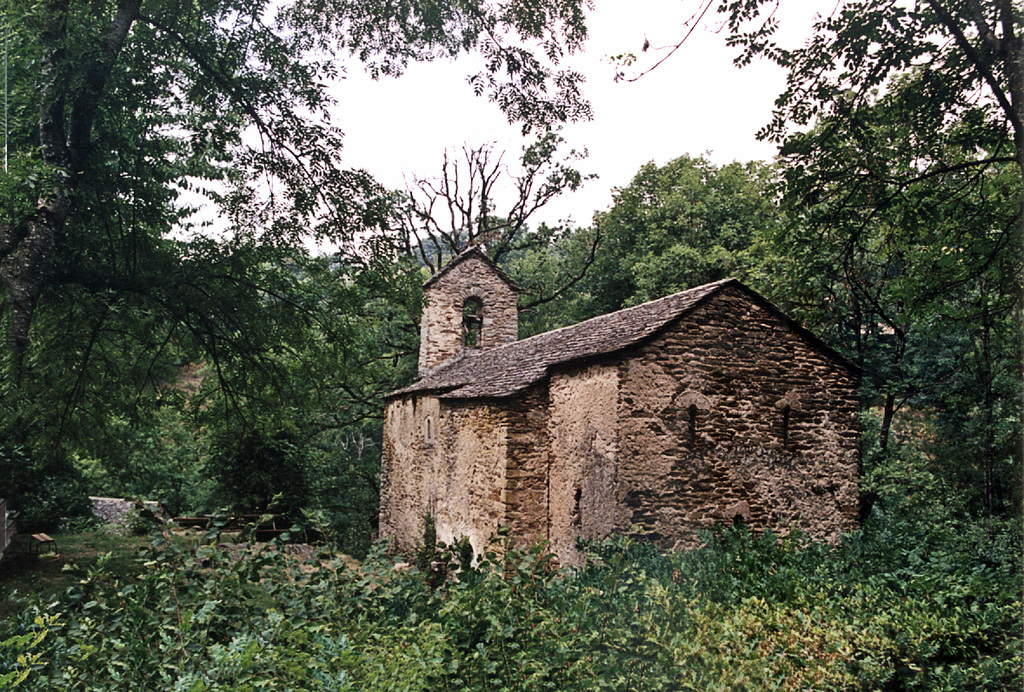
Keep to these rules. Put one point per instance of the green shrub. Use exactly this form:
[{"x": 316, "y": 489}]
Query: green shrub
[{"x": 884, "y": 609}]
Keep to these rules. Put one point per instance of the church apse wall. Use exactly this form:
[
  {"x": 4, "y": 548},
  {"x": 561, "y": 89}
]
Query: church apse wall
[{"x": 731, "y": 414}]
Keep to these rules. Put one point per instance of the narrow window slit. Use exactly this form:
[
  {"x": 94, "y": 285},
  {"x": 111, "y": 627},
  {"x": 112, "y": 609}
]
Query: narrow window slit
[{"x": 472, "y": 322}]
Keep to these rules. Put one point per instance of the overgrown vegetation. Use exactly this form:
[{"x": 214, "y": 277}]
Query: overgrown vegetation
[
  {"x": 144, "y": 356},
  {"x": 922, "y": 598}
]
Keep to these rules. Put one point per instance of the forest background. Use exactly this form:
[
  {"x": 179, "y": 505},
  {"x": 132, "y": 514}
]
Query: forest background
[
  {"x": 232, "y": 367},
  {"x": 221, "y": 366},
  {"x": 228, "y": 366}
]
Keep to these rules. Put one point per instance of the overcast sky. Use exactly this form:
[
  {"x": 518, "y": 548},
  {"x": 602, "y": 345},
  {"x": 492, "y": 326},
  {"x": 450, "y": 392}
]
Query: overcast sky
[{"x": 697, "y": 102}]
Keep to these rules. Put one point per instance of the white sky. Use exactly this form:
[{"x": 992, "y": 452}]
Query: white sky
[{"x": 697, "y": 102}]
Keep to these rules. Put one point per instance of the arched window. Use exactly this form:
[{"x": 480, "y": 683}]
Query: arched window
[{"x": 472, "y": 321}]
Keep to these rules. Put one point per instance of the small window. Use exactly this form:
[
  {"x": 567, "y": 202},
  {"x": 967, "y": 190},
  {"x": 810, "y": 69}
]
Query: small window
[
  {"x": 472, "y": 321},
  {"x": 693, "y": 423},
  {"x": 428, "y": 430}
]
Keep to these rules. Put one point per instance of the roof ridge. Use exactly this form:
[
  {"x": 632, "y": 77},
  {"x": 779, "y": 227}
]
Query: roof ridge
[
  {"x": 709, "y": 287},
  {"x": 461, "y": 257},
  {"x": 511, "y": 367}
]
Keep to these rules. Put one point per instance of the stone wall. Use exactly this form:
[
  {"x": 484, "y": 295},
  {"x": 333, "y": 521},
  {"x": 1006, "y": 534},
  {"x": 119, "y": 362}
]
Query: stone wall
[
  {"x": 526, "y": 477},
  {"x": 409, "y": 468},
  {"x": 470, "y": 497},
  {"x": 731, "y": 414},
  {"x": 441, "y": 333},
  {"x": 584, "y": 452},
  {"x": 446, "y": 459}
]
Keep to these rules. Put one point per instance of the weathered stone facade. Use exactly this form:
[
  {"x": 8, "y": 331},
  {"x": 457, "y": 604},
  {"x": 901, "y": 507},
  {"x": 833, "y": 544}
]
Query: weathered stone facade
[
  {"x": 443, "y": 324},
  {"x": 679, "y": 414}
]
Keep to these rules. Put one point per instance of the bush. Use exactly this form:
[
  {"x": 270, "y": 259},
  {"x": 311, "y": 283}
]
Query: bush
[
  {"x": 45, "y": 492},
  {"x": 889, "y": 608},
  {"x": 255, "y": 470}
]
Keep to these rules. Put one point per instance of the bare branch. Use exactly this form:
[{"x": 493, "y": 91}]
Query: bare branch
[
  {"x": 575, "y": 279},
  {"x": 694, "y": 21}
]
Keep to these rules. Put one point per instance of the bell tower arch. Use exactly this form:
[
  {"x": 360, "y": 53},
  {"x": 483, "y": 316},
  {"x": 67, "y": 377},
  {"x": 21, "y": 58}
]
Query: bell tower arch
[{"x": 470, "y": 306}]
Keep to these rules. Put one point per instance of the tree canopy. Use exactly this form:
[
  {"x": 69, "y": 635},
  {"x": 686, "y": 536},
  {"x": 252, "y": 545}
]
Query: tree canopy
[
  {"x": 149, "y": 352},
  {"x": 137, "y": 101},
  {"x": 126, "y": 115},
  {"x": 677, "y": 226},
  {"x": 901, "y": 161}
]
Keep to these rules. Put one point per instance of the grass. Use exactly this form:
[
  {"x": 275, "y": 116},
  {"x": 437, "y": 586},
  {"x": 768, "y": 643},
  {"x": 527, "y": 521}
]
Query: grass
[{"x": 23, "y": 572}]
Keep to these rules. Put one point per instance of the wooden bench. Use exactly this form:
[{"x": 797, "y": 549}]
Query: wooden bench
[
  {"x": 235, "y": 523},
  {"x": 40, "y": 541}
]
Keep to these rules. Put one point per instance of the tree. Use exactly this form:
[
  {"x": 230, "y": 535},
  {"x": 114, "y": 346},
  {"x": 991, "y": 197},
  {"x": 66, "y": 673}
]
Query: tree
[
  {"x": 907, "y": 193},
  {"x": 901, "y": 135},
  {"x": 969, "y": 58},
  {"x": 479, "y": 200},
  {"x": 918, "y": 286},
  {"x": 551, "y": 274},
  {"x": 120, "y": 107},
  {"x": 971, "y": 50},
  {"x": 674, "y": 227},
  {"x": 182, "y": 83}
]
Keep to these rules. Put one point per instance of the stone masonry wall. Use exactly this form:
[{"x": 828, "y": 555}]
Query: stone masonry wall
[
  {"x": 584, "y": 450},
  {"x": 470, "y": 483},
  {"x": 448, "y": 460},
  {"x": 526, "y": 477},
  {"x": 727, "y": 414},
  {"x": 731, "y": 414},
  {"x": 441, "y": 336},
  {"x": 408, "y": 466}
]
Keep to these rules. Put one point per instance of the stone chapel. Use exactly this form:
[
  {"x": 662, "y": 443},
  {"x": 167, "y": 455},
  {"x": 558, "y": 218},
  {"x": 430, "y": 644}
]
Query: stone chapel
[{"x": 695, "y": 409}]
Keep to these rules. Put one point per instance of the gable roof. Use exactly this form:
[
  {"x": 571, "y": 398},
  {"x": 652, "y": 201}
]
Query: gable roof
[
  {"x": 471, "y": 251},
  {"x": 505, "y": 370}
]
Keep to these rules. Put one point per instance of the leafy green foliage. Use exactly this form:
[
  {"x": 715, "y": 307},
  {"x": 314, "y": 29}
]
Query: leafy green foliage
[
  {"x": 913, "y": 275},
  {"x": 259, "y": 470},
  {"x": 921, "y": 598},
  {"x": 953, "y": 51},
  {"x": 902, "y": 154},
  {"x": 128, "y": 115},
  {"x": 42, "y": 490},
  {"x": 674, "y": 227}
]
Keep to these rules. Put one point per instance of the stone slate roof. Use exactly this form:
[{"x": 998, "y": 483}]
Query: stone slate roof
[{"x": 505, "y": 370}]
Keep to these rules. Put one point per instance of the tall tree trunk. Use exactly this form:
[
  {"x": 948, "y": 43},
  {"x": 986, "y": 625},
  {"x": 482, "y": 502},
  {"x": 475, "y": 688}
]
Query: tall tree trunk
[
  {"x": 26, "y": 247},
  {"x": 64, "y": 137},
  {"x": 895, "y": 373},
  {"x": 993, "y": 483},
  {"x": 21, "y": 272},
  {"x": 888, "y": 411}
]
